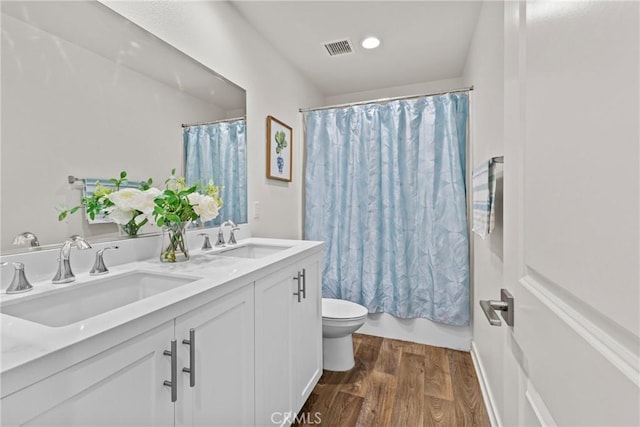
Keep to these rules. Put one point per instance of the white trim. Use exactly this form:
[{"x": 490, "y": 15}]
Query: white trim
[
  {"x": 605, "y": 344},
  {"x": 539, "y": 407},
  {"x": 487, "y": 396}
]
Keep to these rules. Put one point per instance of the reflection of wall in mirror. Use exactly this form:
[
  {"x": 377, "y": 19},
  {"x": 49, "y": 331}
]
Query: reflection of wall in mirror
[{"x": 68, "y": 111}]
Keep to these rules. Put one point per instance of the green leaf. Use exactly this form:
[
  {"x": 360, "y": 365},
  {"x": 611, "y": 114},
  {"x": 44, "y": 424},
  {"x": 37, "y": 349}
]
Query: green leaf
[
  {"x": 123, "y": 175},
  {"x": 74, "y": 209},
  {"x": 173, "y": 171},
  {"x": 62, "y": 215},
  {"x": 160, "y": 221}
]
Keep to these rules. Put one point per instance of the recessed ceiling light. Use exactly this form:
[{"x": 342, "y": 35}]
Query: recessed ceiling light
[{"x": 370, "y": 43}]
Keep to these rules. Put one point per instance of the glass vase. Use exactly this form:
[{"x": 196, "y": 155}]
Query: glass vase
[
  {"x": 174, "y": 243},
  {"x": 129, "y": 229}
]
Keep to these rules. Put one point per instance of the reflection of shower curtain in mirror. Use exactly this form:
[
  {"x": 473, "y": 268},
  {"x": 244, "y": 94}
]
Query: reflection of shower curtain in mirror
[
  {"x": 218, "y": 152},
  {"x": 385, "y": 190}
]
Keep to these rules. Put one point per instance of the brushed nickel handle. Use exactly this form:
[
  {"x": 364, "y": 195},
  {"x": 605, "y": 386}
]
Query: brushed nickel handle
[
  {"x": 191, "y": 370},
  {"x": 304, "y": 283},
  {"x": 174, "y": 370},
  {"x": 505, "y": 306},
  {"x": 299, "y": 293}
]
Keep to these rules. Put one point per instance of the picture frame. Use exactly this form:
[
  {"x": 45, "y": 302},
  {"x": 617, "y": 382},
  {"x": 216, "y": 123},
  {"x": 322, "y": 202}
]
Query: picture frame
[{"x": 279, "y": 150}]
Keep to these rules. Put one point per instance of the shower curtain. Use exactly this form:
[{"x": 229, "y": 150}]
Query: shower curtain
[
  {"x": 219, "y": 152},
  {"x": 385, "y": 190}
]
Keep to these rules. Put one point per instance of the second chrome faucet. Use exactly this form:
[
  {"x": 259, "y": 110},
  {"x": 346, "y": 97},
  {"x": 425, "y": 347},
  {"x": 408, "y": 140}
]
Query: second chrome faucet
[{"x": 64, "y": 274}]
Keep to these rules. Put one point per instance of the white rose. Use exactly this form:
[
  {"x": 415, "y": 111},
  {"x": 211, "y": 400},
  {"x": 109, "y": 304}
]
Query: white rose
[
  {"x": 120, "y": 216},
  {"x": 126, "y": 199},
  {"x": 144, "y": 201},
  {"x": 205, "y": 206}
]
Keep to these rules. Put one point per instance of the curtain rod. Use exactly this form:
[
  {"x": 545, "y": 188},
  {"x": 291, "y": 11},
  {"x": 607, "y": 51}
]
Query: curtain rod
[
  {"x": 385, "y": 100},
  {"x": 185, "y": 125}
]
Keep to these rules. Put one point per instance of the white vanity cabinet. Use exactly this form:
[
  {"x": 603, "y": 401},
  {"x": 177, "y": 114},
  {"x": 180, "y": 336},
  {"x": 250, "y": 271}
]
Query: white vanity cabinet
[
  {"x": 288, "y": 340},
  {"x": 118, "y": 387},
  {"x": 244, "y": 351},
  {"x": 223, "y": 378},
  {"x": 307, "y": 333},
  {"x": 124, "y": 386}
]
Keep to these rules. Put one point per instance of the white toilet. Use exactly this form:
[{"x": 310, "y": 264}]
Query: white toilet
[{"x": 339, "y": 320}]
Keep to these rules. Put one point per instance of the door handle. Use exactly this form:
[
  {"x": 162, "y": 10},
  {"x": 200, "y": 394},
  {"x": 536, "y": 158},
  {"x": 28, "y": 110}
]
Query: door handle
[
  {"x": 505, "y": 306},
  {"x": 174, "y": 370},
  {"x": 304, "y": 283},
  {"x": 299, "y": 293},
  {"x": 191, "y": 370}
]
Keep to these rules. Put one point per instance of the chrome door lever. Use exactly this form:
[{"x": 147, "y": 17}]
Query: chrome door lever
[{"x": 505, "y": 306}]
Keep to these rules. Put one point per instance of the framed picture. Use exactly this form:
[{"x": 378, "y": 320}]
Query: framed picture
[{"x": 279, "y": 149}]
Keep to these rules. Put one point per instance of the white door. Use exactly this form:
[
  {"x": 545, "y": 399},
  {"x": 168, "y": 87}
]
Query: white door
[
  {"x": 307, "y": 332},
  {"x": 571, "y": 214},
  {"x": 222, "y": 394},
  {"x": 273, "y": 348},
  {"x": 122, "y": 386}
]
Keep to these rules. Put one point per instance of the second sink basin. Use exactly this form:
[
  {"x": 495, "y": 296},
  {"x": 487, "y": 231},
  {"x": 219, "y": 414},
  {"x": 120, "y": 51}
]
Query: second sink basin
[
  {"x": 82, "y": 301},
  {"x": 252, "y": 251}
]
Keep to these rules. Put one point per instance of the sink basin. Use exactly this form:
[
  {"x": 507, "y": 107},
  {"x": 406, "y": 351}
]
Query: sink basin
[
  {"x": 252, "y": 251},
  {"x": 82, "y": 301}
]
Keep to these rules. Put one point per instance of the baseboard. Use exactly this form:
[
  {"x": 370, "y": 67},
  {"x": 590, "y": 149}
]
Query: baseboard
[
  {"x": 487, "y": 396},
  {"x": 422, "y": 331}
]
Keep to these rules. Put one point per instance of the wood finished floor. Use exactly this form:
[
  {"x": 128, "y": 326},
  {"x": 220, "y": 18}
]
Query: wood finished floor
[{"x": 399, "y": 384}]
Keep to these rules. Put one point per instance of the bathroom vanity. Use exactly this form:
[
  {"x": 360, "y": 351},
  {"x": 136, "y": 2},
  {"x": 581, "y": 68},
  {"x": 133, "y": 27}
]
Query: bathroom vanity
[{"x": 232, "y": 337}]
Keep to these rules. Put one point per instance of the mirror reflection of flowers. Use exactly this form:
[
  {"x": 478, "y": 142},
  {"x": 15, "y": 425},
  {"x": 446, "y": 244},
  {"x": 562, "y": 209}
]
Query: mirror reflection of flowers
[{"x": 131, "y": 208}]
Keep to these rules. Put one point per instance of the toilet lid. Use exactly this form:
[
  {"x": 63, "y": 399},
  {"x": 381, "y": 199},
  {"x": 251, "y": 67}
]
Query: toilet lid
[{"x": 341, "y": 309}]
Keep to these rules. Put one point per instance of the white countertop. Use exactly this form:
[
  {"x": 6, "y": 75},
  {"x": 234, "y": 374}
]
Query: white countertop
[{"x": 25, "y": 343}]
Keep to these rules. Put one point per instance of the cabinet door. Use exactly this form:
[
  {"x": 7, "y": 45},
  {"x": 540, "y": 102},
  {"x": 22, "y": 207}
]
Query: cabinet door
[
  {"x": 307, "y": 333},
  {"x": 273, "y": 348},
  {"x": 122, "y": 386},
  {"x": 224, "y": 357}
]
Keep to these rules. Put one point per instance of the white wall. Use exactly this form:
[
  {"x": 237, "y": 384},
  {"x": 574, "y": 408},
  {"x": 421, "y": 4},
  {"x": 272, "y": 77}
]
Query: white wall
[
  {"x": 484, "y": 70},
  {"x": 69, "y": 111},
  {"x": 217, "y": 36},
  {"x": 391, "y": 92}
]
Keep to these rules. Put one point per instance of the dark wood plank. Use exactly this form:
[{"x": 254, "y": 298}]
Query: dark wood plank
[
  {"x": 469, "y": 406},
  {"x": 389, "y": 357},
  {"x": 437, "y": 381},
  {"x": 344, "y": 412},
  {"x": 379, "y": 400},
  {"x": 426, "y": 386},
  {"x": 408, "y": 406},
  {"x": 439, "y": 413}
]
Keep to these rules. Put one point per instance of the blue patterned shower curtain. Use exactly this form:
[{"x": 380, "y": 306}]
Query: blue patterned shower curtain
[
  {"x": 219, "y": 152},
  {"x": 385, "y": 189}
]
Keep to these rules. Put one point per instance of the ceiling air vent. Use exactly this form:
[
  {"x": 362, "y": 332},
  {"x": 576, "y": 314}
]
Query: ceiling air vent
[{"x": 339, "y": 47}]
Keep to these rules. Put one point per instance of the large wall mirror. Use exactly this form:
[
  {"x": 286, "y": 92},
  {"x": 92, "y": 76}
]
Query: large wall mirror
[{"x": 87, "y": 93}]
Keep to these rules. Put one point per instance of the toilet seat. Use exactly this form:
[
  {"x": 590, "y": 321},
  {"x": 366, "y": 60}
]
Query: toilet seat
[{"x": 337, "y": 309}]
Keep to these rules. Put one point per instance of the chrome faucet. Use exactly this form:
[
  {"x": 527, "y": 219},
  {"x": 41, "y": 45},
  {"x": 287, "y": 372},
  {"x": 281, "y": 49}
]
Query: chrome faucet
[
  {"x": 64, "y": 274},
  {"x": 206, "y": 244},
  {"x": 25, "y": 237},
  {"x": 232, "y": 237},
  {"x": 19, "y": 283},
  {"x": 98, "y": 266}
]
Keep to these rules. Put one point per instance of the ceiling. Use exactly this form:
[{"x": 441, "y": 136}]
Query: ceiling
[{"x": 421, "y": 40}]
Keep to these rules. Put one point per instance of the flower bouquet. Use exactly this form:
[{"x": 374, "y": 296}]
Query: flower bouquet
[{"x": 130, "y": 208}]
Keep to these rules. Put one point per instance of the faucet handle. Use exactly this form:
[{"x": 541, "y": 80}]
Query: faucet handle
[
  {"x": 99, "y": 266},
  {"x": 232, "y": 236},
  {"x": 26, "y": 237},
  {"x": 19, "y": 282},
  {"x": 206, "y": 244},
  {"x": 220, "y": 241}
]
